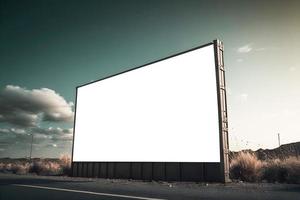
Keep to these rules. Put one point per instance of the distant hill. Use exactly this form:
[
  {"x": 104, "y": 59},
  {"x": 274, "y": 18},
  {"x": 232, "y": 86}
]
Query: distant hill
[
  {"x": 284, "y": 151},
  {"x": 10, "y": 160}
]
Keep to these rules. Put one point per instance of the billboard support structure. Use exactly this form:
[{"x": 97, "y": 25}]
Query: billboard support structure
[
  {"x": 169, "y": 171},
  {"x": 222, "y": 106}
]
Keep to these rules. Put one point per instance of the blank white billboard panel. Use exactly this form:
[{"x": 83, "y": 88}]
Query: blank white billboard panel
[{"x": 163, "y": 112}]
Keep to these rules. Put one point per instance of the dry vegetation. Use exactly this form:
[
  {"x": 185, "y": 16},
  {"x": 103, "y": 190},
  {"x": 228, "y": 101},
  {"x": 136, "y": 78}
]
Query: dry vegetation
[
  {"x": 59, "y": 166},
  {"x": 246, "y": 167}
]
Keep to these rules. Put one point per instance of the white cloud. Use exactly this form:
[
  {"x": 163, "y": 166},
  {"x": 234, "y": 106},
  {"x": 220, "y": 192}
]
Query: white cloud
[
  {"x": 17, "y": 131},
  {"x": 10, "y": 136},
  {"x": 4, "y": 130},
  {"x": 250, "y": 47},
  {"x": 64, "y": 137},
  {"x": 40, "y": 136},
  {"x": 245, "y": 49},
  {"x": 239, "y": 60},
  {"x": 52, "y": 131},
  {"x": 22, "y": 107}
]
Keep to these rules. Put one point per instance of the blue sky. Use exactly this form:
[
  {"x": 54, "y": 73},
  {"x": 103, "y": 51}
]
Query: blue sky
[{"x": 59, "y": 45}]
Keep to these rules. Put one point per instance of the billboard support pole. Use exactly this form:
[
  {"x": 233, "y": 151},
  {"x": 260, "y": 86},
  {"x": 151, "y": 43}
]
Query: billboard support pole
[
  {"x": 222, "y": 106},
  {"x": 73, "y": 139}
]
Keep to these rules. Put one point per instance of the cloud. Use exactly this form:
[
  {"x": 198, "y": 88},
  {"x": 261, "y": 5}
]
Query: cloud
[
  {"x": 4, "y": 130},
  {"x": 17, "y": 131},
  {"x": 250, "y": 47},
  {"x": 64, "y": 137},
  {"x": 12, "y": 130},
  {"x": 23, "y": 107},
  {"x": 50, "y": 135},
  {"x": 245, "y": 49},
  {"x": 51, "y": 145},
  {"x": 21, "y": 113},
  {"x": 51, "y": 131}
]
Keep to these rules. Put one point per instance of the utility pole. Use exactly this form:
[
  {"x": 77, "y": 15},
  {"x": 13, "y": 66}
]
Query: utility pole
[
  {"x": 278, "y": 139},
  {"x": 31, "y": 146}
]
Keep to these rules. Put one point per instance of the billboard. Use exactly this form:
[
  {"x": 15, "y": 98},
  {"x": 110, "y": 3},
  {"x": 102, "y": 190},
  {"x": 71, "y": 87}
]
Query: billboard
[{"x": 163, "y": 112}]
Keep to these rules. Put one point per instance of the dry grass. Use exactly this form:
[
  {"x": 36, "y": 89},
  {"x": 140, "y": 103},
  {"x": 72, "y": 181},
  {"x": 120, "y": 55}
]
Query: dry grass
[
  {"x": 65, "y": 163},
  {"x": 16, "y": 168},
  {"x": 283, "y": 171},
  {"x": 247, "y": 167},
  {"x": 60, "y": 166},
  {"x": 244, "y": 166},
  {"x": 293, "y": 167},
  {"x": 44, "y": 167}
]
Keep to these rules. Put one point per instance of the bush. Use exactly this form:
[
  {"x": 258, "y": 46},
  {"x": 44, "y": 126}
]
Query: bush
[
  {"x": 20, "y": 168},
  {"x": 246, "y": 167},
  {"x": 16, "y": 168},
  {"x": 45, "y": 168},
  {"x": 293, "y": 167},
  {"x": 65, "y": 162},
  {"x": 283, "y": 171},
  {"x": 274, "y": 171},
  {"x": 37, "y": 166}
]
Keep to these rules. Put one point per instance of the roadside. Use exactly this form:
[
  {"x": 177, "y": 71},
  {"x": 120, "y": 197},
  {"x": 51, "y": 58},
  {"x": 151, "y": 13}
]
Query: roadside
[{"x": 160, "y": 190}]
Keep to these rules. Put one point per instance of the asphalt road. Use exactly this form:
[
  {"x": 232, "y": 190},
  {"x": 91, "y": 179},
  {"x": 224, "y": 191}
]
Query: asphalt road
[{"x": 41, "y": 187}]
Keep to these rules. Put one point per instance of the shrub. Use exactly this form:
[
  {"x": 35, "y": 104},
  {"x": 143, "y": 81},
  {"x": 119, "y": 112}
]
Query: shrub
[
  {"x": 246, "y": 167},
  {"x": 65, "y": 162},
  {"x": 293, "y": 167},
  {"x": 287, "y": 170},
  {"x": 20, "y": 168},
  {"x": 16, "y": 168},
  {"x": 44, "y": 167},
  {"x": 61, "y": 166},
  {"x": 274, "y": 171}
]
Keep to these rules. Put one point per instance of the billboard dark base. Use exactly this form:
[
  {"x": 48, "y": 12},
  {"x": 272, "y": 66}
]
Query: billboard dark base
[{"x": 159, "y": 171}]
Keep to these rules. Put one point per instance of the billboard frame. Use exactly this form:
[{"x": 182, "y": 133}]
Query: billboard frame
[{"x": 203, "y": 171}]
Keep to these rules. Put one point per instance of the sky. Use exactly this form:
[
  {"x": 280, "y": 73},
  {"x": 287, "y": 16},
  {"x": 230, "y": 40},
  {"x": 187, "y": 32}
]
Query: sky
[{"x": 49, "y": 47}]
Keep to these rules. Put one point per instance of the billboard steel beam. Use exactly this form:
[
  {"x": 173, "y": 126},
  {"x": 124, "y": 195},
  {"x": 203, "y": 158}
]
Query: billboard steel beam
[{"x": 222, "y": 106}]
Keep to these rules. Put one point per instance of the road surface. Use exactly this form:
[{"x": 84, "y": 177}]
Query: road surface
[{"x": 43, "y": 187}]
